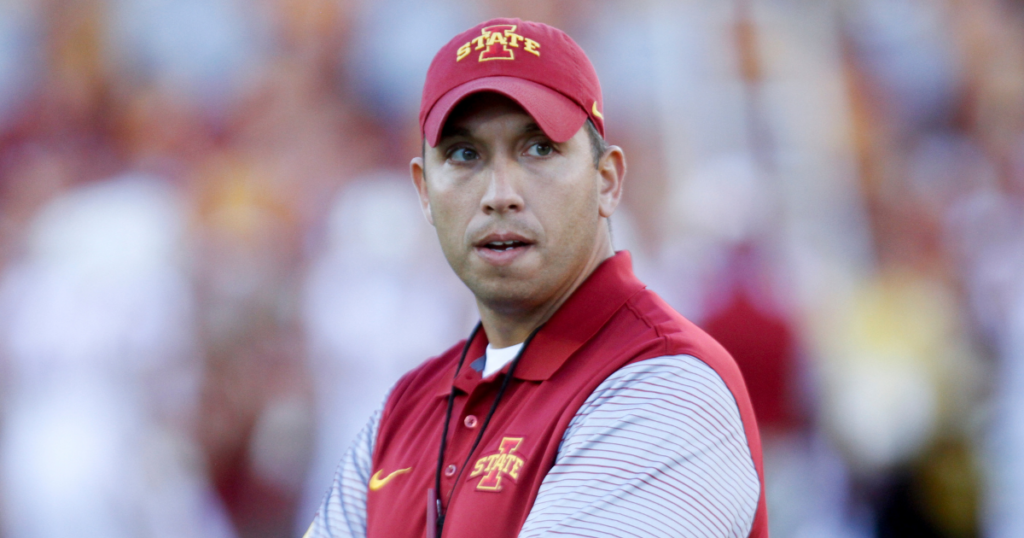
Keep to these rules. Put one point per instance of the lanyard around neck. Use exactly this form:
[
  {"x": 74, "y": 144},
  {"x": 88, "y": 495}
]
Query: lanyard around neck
[{"x": 448, "y": 416}]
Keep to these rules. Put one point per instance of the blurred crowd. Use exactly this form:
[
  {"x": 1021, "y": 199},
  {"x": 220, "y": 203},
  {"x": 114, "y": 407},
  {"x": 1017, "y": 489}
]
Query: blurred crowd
[{"x": 213, "y": 264}]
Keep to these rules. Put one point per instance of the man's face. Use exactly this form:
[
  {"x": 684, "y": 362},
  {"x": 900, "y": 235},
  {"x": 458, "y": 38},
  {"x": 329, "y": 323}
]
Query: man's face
[{"x": 518, "y": 215}]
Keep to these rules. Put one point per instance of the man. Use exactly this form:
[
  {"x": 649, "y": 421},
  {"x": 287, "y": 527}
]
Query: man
[{"x": 582, "y": 404}]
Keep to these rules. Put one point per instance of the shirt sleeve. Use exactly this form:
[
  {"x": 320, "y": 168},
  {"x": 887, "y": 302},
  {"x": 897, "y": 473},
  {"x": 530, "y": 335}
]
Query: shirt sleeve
[
  {"x": 658, "y": 449},
  {"x": 342, "y": 514}
]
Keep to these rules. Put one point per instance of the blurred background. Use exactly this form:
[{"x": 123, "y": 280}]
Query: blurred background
[{"x": 213, "y": 265}]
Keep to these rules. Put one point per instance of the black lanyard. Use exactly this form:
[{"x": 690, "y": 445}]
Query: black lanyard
[{"x": 483, "y": 427}]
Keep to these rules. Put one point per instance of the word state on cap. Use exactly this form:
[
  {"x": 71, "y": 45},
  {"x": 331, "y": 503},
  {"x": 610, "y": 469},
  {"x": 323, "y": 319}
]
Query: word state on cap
[{"x": 494, "y": 42}]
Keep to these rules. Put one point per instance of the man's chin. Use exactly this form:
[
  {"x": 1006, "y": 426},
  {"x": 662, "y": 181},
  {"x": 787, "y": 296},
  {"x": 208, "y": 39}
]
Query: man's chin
[
  {"x": 508, "y": 302},
  {"x": 508, "y": 291}
]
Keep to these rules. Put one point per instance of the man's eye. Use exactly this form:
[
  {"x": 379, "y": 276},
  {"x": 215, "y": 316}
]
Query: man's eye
[
  {"x": 462, "y": 154},
  {"x": 540, "y": 149}
]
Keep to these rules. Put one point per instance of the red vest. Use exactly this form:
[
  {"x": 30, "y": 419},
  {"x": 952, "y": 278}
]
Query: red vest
[{"x": 612, "y": 320}]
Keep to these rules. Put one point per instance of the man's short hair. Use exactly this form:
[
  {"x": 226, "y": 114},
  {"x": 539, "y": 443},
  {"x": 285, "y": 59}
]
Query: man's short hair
[{"x": 598, "y": 145}]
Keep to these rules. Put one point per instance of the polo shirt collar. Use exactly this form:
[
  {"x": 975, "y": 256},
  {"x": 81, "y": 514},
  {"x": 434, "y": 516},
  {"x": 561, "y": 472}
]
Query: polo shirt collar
[{"x": 576, "y": 322}]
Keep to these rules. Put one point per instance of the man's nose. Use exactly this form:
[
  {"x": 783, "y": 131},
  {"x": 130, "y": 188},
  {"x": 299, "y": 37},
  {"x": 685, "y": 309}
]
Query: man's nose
[{"x": 503, "y": 188}]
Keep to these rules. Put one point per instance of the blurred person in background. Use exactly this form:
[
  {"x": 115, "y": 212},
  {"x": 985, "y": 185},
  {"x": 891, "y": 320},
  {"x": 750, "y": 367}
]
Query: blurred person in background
[{"x": 102, "y": 387}]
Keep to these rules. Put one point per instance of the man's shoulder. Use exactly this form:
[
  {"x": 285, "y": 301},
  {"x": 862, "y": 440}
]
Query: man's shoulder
[
  {"x": 653, "y": 319},
  {"x": 656, "y": 329}
]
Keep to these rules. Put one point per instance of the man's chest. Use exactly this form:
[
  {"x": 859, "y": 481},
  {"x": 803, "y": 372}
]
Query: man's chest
[{"x": 489, "y": 476}]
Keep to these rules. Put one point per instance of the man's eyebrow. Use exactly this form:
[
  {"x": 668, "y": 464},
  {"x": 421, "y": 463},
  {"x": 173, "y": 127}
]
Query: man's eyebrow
[
  {"x": 531, "y": 128},
  {"x": 458, "y": 131},
  {"x": 449, "y": 132}
]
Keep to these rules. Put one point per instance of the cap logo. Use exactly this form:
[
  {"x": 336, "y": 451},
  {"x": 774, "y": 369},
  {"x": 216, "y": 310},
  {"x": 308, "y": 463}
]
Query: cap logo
[{"x": 494, "y": 43}]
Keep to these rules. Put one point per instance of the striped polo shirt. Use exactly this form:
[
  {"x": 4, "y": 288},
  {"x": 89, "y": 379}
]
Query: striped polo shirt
[{"x": 622, "y": 419}]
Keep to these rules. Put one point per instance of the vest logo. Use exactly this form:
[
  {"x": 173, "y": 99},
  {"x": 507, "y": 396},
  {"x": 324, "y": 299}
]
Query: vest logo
[
  {"x": 376, "y": 482},
  {"x": 494, "y": 42},
  {"x": 497, "y": 466}
]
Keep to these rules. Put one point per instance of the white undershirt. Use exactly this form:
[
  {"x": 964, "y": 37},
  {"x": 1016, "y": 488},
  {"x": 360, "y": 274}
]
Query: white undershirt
[{"x": 498, "y": 358}]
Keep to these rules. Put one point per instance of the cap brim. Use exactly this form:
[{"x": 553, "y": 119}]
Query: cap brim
[{"x": 557, "y": 115}]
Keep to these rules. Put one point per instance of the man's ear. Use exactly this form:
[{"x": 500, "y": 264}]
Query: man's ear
[
  {"x": 419, "y": 179},
  {"x": 611, "y": 169}
]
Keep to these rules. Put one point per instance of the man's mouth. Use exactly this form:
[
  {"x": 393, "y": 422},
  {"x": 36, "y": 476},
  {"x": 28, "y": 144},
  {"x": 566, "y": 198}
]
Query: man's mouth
[{"x": 501, "y": 246}]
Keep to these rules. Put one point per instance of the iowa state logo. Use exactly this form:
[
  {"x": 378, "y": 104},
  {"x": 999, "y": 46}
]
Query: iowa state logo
[
  {"x": 496, "y": 43},
  {"x": 496, "y": 466}
]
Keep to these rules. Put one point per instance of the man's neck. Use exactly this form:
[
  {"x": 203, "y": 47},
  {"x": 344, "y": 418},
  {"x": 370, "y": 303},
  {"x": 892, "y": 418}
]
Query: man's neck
[{"x": 507, "y": 327}]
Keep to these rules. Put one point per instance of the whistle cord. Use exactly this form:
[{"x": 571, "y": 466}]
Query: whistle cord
[{"x": 483, "y": 426}]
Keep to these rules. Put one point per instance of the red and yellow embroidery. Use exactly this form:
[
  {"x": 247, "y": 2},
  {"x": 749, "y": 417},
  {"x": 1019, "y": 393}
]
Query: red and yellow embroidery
[
  {"x": 496, "y": 466},
  {"x": 494, "y": 42}
]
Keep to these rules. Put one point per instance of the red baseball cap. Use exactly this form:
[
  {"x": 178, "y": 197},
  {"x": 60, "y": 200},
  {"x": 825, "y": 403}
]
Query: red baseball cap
[{"x": 535, "y": 65}]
